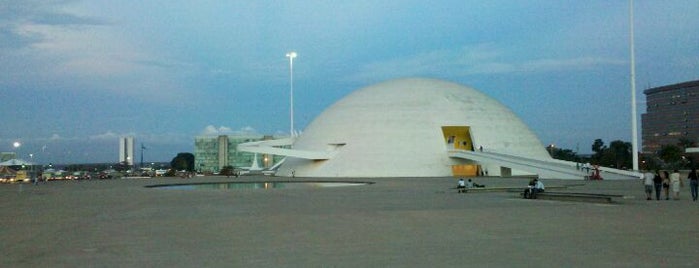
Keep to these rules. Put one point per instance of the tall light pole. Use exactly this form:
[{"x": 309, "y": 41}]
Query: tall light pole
[
  {"x": 291, "y": 55},
  {"x": 15, "y": 148},
  {"x": 142, "y": 148},
  {"x": 634, "y": 130},
  {"x": 32, "y": 176}
]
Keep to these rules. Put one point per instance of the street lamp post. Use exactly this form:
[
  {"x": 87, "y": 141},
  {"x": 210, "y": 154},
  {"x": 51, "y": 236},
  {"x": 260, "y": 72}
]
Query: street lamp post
[
  {"x": 32, "y": 176},
  {"x": 142, "y": 148},
  {"x": 15, "y": 146},
  {"x": 551, "y": 149},
  {"x": 291, "y": 55},
  {"x": 634, "y": 128}
]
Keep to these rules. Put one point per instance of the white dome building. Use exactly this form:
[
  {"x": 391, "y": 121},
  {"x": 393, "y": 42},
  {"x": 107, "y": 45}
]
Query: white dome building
[{"x": 407, "y": 128}]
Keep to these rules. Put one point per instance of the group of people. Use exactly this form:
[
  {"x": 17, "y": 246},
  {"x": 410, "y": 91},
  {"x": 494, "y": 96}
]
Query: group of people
[
  {"x": 660, "y": 182},
  {"x": 664, "y": 182},
  {"x": 592, "y": 172},
  {"x": 463, "y": 186},
  {"x": 535, "y": 187}
]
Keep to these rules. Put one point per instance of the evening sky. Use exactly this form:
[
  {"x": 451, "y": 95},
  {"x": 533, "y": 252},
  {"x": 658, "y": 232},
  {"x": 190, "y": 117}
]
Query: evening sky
[{"x": 76, "y": 75}]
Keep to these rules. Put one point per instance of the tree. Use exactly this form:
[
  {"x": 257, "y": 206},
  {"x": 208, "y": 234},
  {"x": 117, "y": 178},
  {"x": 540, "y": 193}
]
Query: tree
[
  {"x": 564, "y": 154},
  {"x": 183, "y": 161},
  {"x": 75, "y": 167},
  {"x": 670, "y": 154},
  {"x": 685, "y": 143},
  {"x": 620, "y": 153},
  {"x": 650, "y": 162},
  {"x": 122, "y": 166},
  {"x": 598, "y": 147},
  {"x": 170, "y": 173},
  {"x": 227, "y": 171},
  {"x": 617, "y": 155}
]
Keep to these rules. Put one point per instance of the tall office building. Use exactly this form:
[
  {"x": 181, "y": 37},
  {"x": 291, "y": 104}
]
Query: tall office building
[
  {"x": 212, "y": 153},
  {"x": 126, "y": 150},
  {"x": 672, "y": 114}
]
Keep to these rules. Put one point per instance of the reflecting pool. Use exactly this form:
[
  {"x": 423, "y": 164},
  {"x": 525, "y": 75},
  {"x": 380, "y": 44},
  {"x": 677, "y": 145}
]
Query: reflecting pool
[{"x": 255, "y": 185}]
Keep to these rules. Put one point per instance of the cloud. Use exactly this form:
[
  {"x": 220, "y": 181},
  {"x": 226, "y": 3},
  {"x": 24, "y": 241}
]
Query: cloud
[
  {"x": 10, "y": 39},
  {"x": 109, "y": 135},
  {"x": 15, "y": 14},
  {"x": 542, "y": 65},
  {"x": 211, "y": 130},
  {"x": 67, "y": 19},
  {"x": 548, "y": 65},
  {"x": 55, "y": 47},
  {"x": 55, "y": 137},
  {"x": 473, "y": 60}
]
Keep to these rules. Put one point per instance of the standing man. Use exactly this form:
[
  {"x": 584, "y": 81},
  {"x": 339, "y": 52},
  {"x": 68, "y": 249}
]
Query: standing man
[
  {"x": 648, "y": 183},
  {"x": 461, "y": 186},
  {"x": 693, "y": 183},
  {"x": 658, "y": 184}
]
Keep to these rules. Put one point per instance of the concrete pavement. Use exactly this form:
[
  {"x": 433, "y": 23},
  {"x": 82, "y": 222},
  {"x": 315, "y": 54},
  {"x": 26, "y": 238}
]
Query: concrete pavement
[{"x": 397, "y": 222}]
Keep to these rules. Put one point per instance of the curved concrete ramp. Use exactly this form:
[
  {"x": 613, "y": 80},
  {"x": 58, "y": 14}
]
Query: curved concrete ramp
[
  {"x": 270, "y": 147},
  {"x": 545, "y": 168}
]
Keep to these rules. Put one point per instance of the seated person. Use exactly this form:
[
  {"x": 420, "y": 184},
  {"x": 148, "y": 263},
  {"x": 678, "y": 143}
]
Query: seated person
[
  {"x": 472, "y": 184},
  {"x": 528, "y": 190},
  {"x": 535, "y": 186},
  {"x": 538, "y": 188}
]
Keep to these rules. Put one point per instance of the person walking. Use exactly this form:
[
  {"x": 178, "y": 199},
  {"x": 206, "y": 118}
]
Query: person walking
[
  {"x": 648, "y": 183},
  {"x": 676, "y": 183},
  {"x": 693, "y": 183},
  {"x": 658, "y": 183},
  {"x": 666, "y": 184}
]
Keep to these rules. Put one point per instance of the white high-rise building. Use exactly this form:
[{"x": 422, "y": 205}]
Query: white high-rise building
[{"x": 126, "y": 150}]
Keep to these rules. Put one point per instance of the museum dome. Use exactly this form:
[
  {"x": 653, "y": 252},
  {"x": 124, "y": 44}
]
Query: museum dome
[{"x": 405, "y": 127}]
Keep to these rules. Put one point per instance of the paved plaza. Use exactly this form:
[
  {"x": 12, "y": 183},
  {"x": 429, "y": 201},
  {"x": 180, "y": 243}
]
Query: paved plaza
[{"x": 398, "y": 222}]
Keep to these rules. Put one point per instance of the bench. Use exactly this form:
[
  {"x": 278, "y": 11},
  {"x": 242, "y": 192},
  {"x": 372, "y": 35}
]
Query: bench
[
  {"x": 466, "y": 189},
  {"x": 503, "y": 189},
  {"x": 580, "y": 197}
]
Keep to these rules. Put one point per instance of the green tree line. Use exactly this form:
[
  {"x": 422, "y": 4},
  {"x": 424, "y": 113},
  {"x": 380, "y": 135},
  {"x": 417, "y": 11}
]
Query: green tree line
[{"x": 618, "y": 154}]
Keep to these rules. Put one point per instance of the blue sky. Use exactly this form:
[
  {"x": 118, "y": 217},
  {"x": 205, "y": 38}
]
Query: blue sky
[{"x": 76, "y": 75}]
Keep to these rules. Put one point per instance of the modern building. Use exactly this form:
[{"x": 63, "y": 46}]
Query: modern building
[
  {"x": 418, "y": 128},
  {"x": 672, "y": 114},
  {"x": 126, "y": 150},
  {"x": 4, "y": 156},
  {"x": 212, "y": 153}
]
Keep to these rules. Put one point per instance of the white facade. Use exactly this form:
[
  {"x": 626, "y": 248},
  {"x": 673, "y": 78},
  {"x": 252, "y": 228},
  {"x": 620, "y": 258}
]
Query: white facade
[
  {"x": 395, "y": 129},
  {"x": 126, "y": 150}
]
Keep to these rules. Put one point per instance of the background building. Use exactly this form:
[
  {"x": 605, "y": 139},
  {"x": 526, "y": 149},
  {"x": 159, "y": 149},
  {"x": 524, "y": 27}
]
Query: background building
[
  {"x": 4, "y": 156},
  {"x": 212, "y": 153},
  {"x": 672, "y": 114},
  {"x": 126, "y": 150}
]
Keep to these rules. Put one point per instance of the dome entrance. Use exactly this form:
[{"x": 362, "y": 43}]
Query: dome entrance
[{"x": 459, "y": 138}]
